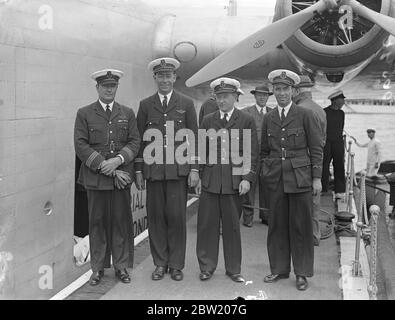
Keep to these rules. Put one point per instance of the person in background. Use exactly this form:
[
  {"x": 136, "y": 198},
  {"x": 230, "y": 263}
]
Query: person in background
[
  {"x": 374, "y": 152},
  {"x": 208, "y": 106},
  {"x": 257, "y": 111},
  {"x": 334, "y": 145},
  {"x": 107, "y": 141},
  {"x": 303, "y": 97}
]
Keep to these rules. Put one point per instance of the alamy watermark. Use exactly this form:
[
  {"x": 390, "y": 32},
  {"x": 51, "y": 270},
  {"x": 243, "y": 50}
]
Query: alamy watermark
[{"x": 202, "y": 149}]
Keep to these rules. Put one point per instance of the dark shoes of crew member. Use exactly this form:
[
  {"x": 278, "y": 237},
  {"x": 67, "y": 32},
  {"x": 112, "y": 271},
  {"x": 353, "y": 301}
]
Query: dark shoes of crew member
[
  {"x": 96, "y": 277},
  {"x": 301, "y": 281},
  {"x": 206, "y": 275},
  {"x": 123, "y": 275},
  {"x": 275, "y": 277},
  {"x": 159, "y": 273}
]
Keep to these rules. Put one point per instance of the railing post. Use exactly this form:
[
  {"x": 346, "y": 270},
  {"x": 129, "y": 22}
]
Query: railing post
[
  {"x": 372, "y": 288},
  {"x": 348, "y": 171},
  {"x": 350, "y": 184},
  {"x": 356, "y": 266}
]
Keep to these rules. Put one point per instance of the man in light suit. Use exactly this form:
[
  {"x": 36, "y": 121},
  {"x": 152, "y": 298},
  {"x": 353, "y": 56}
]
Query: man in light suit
[
  {"x": 167, "y": 182},
  {"x": 257, "y": 111},
  {"x": 291, "y": 167},
  {"x": 224, "y": 181}
]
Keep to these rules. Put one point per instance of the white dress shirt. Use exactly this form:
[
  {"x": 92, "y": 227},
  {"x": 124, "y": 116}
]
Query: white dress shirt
[
  {"x": 222, "y": 114},
  {"x": 104, "y": 105},
  {"x": 286, "y": 109},
  {"x": 161, "y": 97}
]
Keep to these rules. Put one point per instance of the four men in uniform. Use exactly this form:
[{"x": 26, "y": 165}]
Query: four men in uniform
[{"x": 108, "y": 140}]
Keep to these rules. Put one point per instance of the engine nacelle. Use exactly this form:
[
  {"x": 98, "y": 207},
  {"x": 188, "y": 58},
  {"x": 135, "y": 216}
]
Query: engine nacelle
[{"x": 336, "y": 42}]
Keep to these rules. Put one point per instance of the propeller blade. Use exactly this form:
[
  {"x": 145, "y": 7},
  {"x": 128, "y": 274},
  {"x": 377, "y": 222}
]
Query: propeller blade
[
  {"x": 256, "y": 45},
  {"x": 385, "y": 22}
]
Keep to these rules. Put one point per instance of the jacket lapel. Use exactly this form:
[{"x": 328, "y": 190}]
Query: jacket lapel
[
  {"x": 115, "y": 110},
  {"x": 290, "y": 116},
  {"x": 172, "y": 102},
  {"x": 275, "y": 117},
  {"x": 157, "y": 103},
  {"x": 233, "y": 118},
  {"x": 99, "y": 110}
]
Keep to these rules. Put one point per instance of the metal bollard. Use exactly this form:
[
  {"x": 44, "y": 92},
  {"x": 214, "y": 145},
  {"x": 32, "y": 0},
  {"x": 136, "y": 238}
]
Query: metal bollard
[{"x": 372, "y": 288}]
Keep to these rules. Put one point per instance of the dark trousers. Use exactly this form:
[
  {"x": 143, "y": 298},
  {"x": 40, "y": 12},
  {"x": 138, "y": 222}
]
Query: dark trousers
[
  {"x": 212, "y": 208},
  {"x": 334, "y": 150},
  {"x": 110, "y": 229},
  {"x": 249, "y": 200},
  {"x": 166, "y": 211},
  {"x": 290, "y": 233}
]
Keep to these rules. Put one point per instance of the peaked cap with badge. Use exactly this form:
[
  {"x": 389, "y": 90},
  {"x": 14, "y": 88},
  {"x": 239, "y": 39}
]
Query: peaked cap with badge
[
  {"x": 284, "y": 76},
  {"x": 107, "y": 76},
  {"x": 163, "y": 64},
  {"x": 222, "y": 85}
]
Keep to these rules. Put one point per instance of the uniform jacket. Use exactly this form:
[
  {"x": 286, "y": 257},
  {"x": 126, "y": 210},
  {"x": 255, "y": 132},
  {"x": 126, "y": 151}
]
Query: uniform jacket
[
  {"x": 258, "y": 118},
  {"x": 291, "y": 151},
  {"x": 304, "y": 100},
  {"x": 97, "y": 138},
  {"x": 207, "y": 107},
  {"x": 219, "y": 178},
  {"x": 181, "y": 112}
]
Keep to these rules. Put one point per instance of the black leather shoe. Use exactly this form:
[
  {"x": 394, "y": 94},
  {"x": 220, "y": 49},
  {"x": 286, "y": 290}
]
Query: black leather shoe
[
  {"x": 275, "y": 277},
  {"x": 247, "y": 224},
  {"x": 264, "y": 221},
  {"x": 235, "y": 277},
  {"x": 96, "y": 278},
  {"x": 123, "y": 275},
  {"x": 159, "y": 273},
  {"x": 301, "y": 283},
  {"x": 205, "y": 275},
  {"x": 176, "y": 275}
]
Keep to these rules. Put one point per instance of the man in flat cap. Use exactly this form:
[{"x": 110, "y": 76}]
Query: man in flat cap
[
  {"x": 107, "y": 141},
  {"x": 257, "y": 111},
  {"x": 224, "y": 180},
  {"x": 303, "y": 97},
  {"x": 374, "y": 152},
  {"x": 167, "y": 180},
  {"x": 291, "y": 167},
  {"x": 334, "y": 145}
]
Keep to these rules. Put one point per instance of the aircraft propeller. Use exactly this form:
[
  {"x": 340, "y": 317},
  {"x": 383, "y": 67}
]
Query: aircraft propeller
[{"x": 269, "y": 37}]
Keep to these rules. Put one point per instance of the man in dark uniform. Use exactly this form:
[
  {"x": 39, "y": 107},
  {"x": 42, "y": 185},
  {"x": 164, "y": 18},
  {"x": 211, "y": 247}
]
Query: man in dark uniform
[
  {"x": 224, "y": 180},
  {"x": 304, "y": 98},
  {"x": 334, "y": 146},
  {"x": 167, "y": 180},
  {"x": 291, "y": 167},
  {"x": 207, "y": 107},
  {"x": 106, "y": 140},
  {"x": 257, "y": 111}
]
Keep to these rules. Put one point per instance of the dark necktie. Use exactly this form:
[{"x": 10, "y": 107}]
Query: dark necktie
[
  {"x": 282, "y": 115},
  {"x": 108, "y": 111},
  {"x": 164, "y": 102},
  {"x": 261, "y": 111},
  {"x": 225, "y": 117}
]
